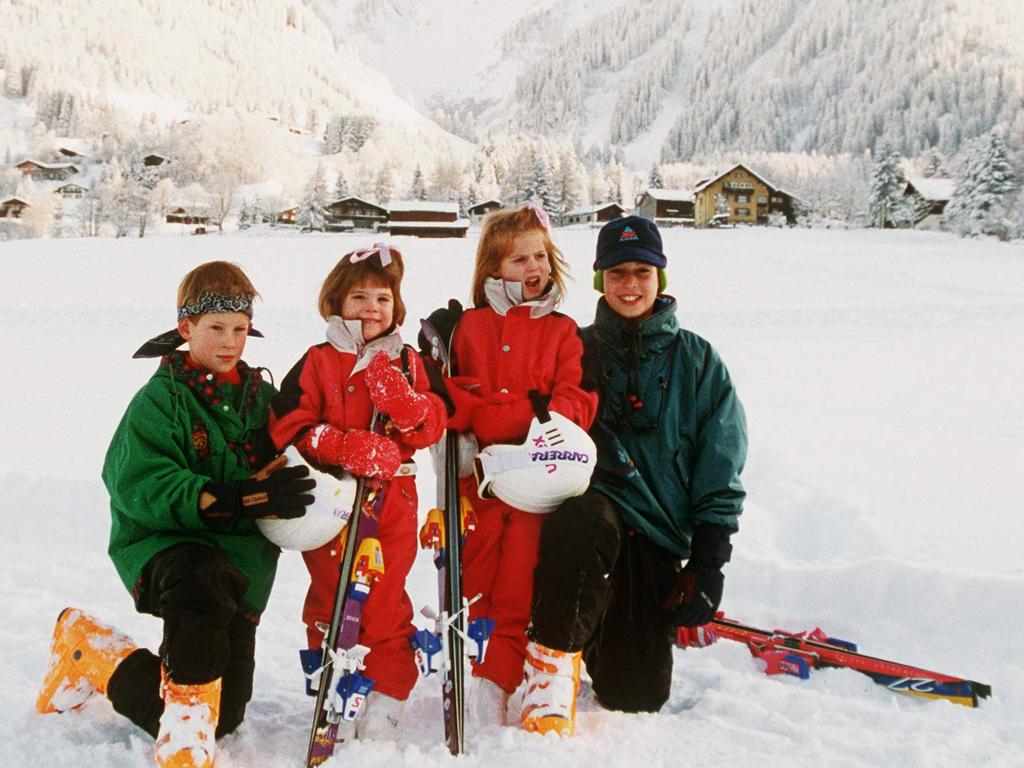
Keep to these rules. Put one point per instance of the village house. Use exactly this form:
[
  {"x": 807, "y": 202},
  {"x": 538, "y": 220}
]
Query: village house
[
  {"x": 739, "y": 196},
  {"x": 424, "y": 218},
  {"x": 666, "y": 207},
  {"x": 70, "y": 190},
  {"x": 593, "y": 214},
  {"x": 72, "y": 150},
  {"x": 929, "y": 198},
  {"x": 12, "y": 208},
  {"x": 288, "y": 215},
  {"x": 179, "y": 214},
  {"x": 40, "y": 171},
  {"x": 477, "y": 212},
  {"x": 351, "y": 213}
]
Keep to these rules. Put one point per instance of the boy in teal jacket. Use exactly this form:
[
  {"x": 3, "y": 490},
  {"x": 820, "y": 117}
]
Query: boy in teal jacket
[
  {"x": 671, "y": 436},
  {"x": 188, "y": 475}
]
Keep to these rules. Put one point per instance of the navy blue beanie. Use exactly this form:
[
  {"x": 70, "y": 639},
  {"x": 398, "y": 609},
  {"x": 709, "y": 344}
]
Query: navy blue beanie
[{"x": 631, "y": 238}]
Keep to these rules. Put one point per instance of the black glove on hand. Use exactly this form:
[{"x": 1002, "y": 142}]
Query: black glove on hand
[
  {"x": 698, "y": 590},
  {"x": 282, "y": 494},
  {"x": 443, "y": 321}
]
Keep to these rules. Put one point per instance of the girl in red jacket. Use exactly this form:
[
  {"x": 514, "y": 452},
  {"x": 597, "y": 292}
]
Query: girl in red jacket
[
  {"x": 324, "y": 408},
  {"x": 510, "y": 345}
]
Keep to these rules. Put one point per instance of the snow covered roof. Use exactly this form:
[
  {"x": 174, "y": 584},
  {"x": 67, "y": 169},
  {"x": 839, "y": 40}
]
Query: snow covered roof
[
  {"x": 483, "y": 203},
  {"x": 593, "y": 209},
  {"x": 675, "y": 195},
  {"x": 708, "y": 182},
  {"x": 7, "y": 200},
  {"x": 459, "y": 224},
  {"x": 48, "y": 166},
  {"x": 362, "y": 200},
  {"x": 423, "y": 205},
  {"x": 76, "y": 146},
  {"x": 933, "y": 189}
]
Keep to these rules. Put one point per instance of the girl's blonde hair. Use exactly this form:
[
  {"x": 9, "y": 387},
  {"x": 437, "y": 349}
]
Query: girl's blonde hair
[
  {"x": 346, "y": 275},
  {"x": 500, "y": 229},
  {"x": 215, "y": 277}
]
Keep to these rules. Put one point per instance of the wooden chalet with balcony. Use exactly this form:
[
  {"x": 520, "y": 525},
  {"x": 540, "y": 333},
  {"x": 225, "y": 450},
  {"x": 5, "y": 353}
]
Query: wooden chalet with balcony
[
  {"x": 739, "y": 196},
  {"x": 40, "y": 171},
  {"x": 350, "y": 213},
  {"x": 477, "y": 212},
  {"x": 70, "y": 190},
  {"x": 180, "y": 214},
  {"x": 12, "y": 208},
  {"x": 593, "y": 214},
  {"x": 424, "y": 218},
  {"x": 666, "y": 207},
  {"x": 930, "y": 197}
]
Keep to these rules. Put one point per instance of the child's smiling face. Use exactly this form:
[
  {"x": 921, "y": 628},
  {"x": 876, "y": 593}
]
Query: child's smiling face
[
  {"x": 216, "y": 340},
  {"x": 374, "y": 305},
  {"x": 527, "y": 262}
]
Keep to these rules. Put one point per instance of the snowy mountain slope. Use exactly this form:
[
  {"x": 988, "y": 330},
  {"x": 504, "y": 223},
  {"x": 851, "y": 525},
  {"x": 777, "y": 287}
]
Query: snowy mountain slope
[
  {"x": 880, "y": 375},
  {"x": 194, "y": 57},
  {"x": 676, "y": 79}
]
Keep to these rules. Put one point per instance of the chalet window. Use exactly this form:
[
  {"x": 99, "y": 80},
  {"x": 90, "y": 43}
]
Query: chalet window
[
  {"x": 742, "y": 211},
  {"x": 761, "y": 199},
  {"x": 742, "y": 198}
]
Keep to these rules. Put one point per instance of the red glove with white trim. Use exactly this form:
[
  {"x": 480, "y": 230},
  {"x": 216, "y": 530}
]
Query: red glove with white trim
[
  {"x": 359, "y": 452},
  {"x": 391, "y": 392}
]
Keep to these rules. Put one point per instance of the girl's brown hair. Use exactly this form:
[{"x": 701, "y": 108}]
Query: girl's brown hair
[
  {"x": 346, "y": 275},
  {"x": 220, "y": 277},
  {"x": 500, "y": 228}
]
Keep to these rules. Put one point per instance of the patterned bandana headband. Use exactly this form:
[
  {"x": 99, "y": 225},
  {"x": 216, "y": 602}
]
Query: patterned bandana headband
[
  {"x": 380, "y": 249},
  {"x": 217, "y": 302}
]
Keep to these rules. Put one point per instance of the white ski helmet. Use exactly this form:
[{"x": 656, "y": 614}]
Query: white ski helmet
[
  {"x": 554, "y": 464},
  {"x": 324, "y": 518}
]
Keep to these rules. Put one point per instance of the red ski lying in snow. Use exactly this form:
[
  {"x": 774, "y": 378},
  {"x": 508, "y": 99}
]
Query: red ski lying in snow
[{"x": 787, "y": 653}]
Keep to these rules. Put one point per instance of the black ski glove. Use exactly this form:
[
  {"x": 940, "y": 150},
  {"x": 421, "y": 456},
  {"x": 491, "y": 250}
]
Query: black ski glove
[
  {"x": 281, "y": 494},
  {"x": 443, "y": 321},
  {"x": 698, "y": 590}
]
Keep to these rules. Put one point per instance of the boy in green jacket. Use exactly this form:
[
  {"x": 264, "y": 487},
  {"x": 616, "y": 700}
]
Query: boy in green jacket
[
  {"x": 185, "y": 493},
  {"x": 671, "y": 438}
]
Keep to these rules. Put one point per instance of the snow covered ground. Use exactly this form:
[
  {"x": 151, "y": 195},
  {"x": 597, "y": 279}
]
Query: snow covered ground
[{"x": 881, "y": 372}]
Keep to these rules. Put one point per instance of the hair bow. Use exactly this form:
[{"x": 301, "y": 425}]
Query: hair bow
[
  {"x": 382, "y": 249},
  {"x": 540, "y": 213}
]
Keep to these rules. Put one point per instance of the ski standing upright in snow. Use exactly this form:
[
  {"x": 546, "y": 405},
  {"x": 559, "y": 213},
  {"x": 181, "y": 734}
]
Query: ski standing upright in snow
[
  {"x": 444, "y": 649},
  {"x": 335, "y": 672}
]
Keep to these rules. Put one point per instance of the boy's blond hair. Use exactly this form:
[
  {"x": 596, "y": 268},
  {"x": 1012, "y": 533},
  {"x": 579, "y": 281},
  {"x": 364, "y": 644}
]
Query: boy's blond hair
[
  {"x": 220, "y": 278},
  {"x": 346, "y": 275},
  {"x": 500, "y": 229}
]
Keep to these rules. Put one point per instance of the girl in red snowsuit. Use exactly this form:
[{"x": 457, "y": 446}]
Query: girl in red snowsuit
[
  {"x": 324, "y": 408},
  {"x": 511, "y": 343}
]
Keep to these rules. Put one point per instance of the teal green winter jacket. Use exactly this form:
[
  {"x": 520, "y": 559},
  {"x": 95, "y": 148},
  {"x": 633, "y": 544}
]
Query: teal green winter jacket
[
  {"x": 670, "y": 430},
  {"x": 181, "y": 431}
]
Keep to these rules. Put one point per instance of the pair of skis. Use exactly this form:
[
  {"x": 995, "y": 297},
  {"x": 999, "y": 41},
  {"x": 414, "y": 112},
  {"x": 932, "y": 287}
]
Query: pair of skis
[
  {"x": 454, "y": 638},
  {"x": 797, "y": 653},
  {"x": 334, "y": 671}
]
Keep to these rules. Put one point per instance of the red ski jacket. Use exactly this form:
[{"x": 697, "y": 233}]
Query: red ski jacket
[
  {"x": 500, "y": 358},
  {"x": 328, "y": 386}
]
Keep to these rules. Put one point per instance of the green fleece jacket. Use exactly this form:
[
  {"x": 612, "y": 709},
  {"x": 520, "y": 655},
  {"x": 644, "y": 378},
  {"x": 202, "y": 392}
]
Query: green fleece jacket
[
  {"x": 670, "y": 431},
  {"x": 181, "y": 431}
]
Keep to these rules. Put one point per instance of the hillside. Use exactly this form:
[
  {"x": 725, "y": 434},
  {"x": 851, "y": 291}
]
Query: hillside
[{"x": 678, "y": 79}]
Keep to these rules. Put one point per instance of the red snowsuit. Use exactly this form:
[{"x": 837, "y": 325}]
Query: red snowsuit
[
  {"x": 499, "y": 359},
  {"x": 328, "y": 386}
]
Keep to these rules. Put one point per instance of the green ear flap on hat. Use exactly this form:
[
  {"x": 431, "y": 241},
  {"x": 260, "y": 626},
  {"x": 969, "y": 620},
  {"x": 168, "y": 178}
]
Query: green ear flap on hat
[{"x": 599, "y": 280}]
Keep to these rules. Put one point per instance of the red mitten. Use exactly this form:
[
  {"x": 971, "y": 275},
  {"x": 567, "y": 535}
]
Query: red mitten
[
  {"x": 391, "y": 393},
  {"x": 323, "y": 444},
  {"x": 359, "y": 452}
]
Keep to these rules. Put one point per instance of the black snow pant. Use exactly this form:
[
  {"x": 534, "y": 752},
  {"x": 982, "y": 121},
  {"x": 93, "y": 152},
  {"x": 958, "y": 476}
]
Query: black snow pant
[
  {"x": 598, "y": 588},
  {"x": 197, "y": 592}
]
